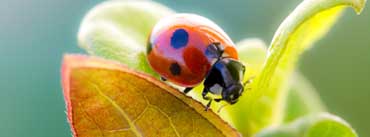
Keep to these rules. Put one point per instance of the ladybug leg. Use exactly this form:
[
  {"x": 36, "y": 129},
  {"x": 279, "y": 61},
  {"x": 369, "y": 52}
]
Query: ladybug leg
[
  {"x": 205, "y": 97},
  {"x": 187, "y": 90},
  {"x": 163, "y": 79},
  {"x": 218, "y": 99},
  {"x": 210, "y": 101},
  {"x": 208, "y": 105},
  {"x": 204, "y": 94}
]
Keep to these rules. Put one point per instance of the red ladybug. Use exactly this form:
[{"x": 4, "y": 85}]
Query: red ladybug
[{"x": 186, "y": 49}]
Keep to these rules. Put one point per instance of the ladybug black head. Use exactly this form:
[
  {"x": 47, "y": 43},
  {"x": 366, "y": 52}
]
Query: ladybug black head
[
  {"x": 233, "y": 80},
  {"x": 225, "y": 78},
  {"x": 231, "y": 94}
]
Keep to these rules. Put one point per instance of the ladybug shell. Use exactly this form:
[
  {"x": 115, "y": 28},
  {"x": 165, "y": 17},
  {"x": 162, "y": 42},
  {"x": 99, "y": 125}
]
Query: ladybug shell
[{"x": 178, "y": 44}]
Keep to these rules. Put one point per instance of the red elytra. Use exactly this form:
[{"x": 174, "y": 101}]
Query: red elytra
[{"x": 177, "y": 48}]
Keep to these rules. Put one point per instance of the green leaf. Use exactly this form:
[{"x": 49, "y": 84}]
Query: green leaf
[
  {"x": 320, "y": 125},
  {"x": 252, "y": 52},
  {"x": 302, "y": 99},
  {"x": 118, "y": 30},
  {"x": 310, "y": 21}
]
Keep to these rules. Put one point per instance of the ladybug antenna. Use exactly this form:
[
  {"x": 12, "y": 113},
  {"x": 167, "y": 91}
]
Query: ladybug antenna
[{"x": 248, "y": 81}]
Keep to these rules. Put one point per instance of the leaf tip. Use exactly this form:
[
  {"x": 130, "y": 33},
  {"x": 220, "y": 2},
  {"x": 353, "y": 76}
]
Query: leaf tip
[{"x": 359, "y": 6}]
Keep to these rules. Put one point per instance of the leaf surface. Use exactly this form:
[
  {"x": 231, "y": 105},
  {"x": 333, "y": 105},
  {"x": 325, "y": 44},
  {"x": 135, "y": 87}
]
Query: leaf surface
[
  {"x": 264, "y": 104},
  {"x": 319, "y": 125},
  {"x": 301, "y": 100},
  {"x": 104, "y": 98},
  {"x": 119, "y": 29}
]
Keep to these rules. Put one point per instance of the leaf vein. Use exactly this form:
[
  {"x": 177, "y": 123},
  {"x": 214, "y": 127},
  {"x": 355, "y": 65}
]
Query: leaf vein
[
  {"x": 122, "y": 112},
  {"x": 157, "y": 108},
  {"x": 89, "y": 117}
]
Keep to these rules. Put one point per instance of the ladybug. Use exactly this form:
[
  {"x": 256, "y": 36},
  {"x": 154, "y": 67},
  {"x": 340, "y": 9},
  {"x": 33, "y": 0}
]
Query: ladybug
[{"x": 187, "y": 49}]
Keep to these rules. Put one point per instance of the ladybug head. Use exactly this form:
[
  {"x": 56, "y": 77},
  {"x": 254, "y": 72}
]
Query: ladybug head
[
  {"x": 228, "y": 73},
  {"x": 232, "y": 93},
  {"x": 233, "y": 80}
]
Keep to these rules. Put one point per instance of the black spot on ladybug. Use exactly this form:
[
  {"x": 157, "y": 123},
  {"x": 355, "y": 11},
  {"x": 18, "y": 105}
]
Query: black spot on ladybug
[
  {"x": 175, "y": 69},
  {"x": 179, "y": 38}
]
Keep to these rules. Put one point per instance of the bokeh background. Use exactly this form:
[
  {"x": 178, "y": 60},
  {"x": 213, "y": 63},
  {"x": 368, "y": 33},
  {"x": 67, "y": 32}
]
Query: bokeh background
[{"x": 34, "y": 35}]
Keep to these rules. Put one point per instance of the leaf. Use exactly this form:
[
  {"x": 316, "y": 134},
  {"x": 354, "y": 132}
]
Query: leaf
[
  {"x": 320, "y": 125},
  {"x": 118, "y": 30},
  {"x": 107, "y": 99},
  {"x": 310, "y": 21},
  {"x": 252, "y": 51},
  {"x": 302, "y": 99}
]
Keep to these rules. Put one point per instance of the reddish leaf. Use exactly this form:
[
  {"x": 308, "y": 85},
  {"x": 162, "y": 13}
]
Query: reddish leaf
[{"x": 105, "y": 98}]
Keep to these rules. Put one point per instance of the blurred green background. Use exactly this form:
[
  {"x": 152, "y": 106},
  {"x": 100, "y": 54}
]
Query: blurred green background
[{"x": 34, "y": 35}]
